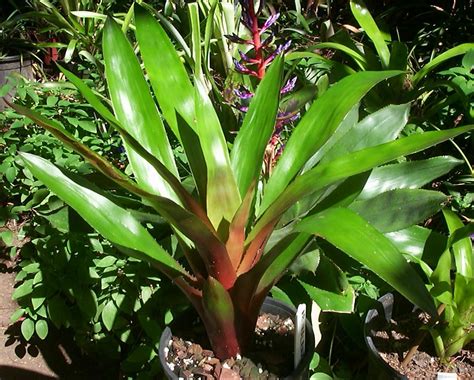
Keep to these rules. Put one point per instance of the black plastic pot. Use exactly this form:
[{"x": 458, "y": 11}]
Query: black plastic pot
[
  {"x": 271, "y": 306},
  {"x": 374, "y": 320},
  {"x": 14, "y": 64}
]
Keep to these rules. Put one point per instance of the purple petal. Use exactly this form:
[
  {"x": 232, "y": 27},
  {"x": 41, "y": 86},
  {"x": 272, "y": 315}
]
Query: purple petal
[
  {"x": 244, "y": 94},
  {"x": 270, "y": 21},
  {"x": 246, "y": 58},
  {"x": 284, "y": 47},
  {"x": 289, "y": 86},
  {"x": 278, "y": 50},
  {"x": 240, "y": 107},
  {"x": 242, "y": 69}
]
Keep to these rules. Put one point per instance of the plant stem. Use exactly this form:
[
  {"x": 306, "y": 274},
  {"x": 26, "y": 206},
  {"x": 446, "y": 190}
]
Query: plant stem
[
  {"x": 257, "y": 43},
  {"x": 421, "y": 336}
]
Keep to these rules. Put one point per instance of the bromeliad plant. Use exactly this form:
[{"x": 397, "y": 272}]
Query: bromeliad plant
[{"x": 223, "y": 225}]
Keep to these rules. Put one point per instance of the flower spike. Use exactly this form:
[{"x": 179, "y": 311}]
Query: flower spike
[
  {"x": 289, "y": 86},
  {"x": 270, "y": 21}
]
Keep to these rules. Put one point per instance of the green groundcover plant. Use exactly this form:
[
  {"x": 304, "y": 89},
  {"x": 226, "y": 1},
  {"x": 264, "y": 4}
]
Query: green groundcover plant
[{"x": 225, "y": 264}]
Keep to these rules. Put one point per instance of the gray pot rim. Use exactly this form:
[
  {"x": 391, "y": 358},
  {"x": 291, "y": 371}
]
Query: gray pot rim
[{"x": 382, "y": 313}]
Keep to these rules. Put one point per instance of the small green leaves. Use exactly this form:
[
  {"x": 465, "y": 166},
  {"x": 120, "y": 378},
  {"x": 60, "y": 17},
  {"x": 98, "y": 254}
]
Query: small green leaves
[
  {"x": 41, "y": 328},
  {"x": 23, "y": 290},
  {"x": 27, "y": 328},
  {"x": 109, "y": 314}
]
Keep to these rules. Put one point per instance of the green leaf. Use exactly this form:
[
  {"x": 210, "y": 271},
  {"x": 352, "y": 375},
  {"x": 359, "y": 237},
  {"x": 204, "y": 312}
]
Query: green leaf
[
  {"x": 441, "y": 279},
  {"x": 453, "y": 52},
  {"x": 166, "y": 71},
  {"x": 11, "y": 173},
  {"x": 398, "y": 209},
  {"x": 462, "y": 249},
  {"x": 102, "y": 165},
  {"x": 58, "y": 311},
  {"x": 109, "y": 314},
  {"x": 320, "y": 376},
  {"x": 349, "y": 121},
  {"x": 106, "y": 261},
  {"x": 135, "y": 109},
  {"x": 193, "y": 12},
  {"x": 23, "y": 290},
  {"x": 257, "y": 128},
  {"x": 113, "y": 222},
  {"x": 307, "y": 262},
  {"x": 356, "y": 56},
  {"x": 351, "y": 164},
  {"x": 468, "y": 59},
  {"x": 379, "y": 127},
  {"x": 18, "y": 313},
  {"x": 419, "y": 242},
  {"x": 317, "y": 126},
  {"x": 329, "y": 287},
  {"x": 7, "y": 237},
  {"x": 407, "y": 175},
  {"x": 331, "y": 301},
  {"x": 27, "y": 328},
  {"x": 87, "y": 301},
  {"x": 353, "y": 235},
  {"x": 223, "y": 197},
  {"x": 365, "y": 20},
  {"x": 150, "y": 325},
  {"x": 41, "y": 328},
  {"x": 70, "y": 50},
  {"x": 87, "y": 125}
]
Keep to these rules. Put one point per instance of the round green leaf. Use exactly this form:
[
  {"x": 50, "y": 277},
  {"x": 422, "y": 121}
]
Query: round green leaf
[
  {"x": 107, "y": 261},
  {"x": 17, "y": 315},
  {"x": 41, "y": 328},
  {"x": 27, "y": 328}
]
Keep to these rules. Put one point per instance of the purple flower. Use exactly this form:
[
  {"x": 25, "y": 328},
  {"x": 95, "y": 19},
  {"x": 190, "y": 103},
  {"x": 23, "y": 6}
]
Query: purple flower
[
  {"x": 244, "y": 94},
  {"x": 289, "y": 86},
  {"x": 270, "y": 21},
  {"x": 246, "y": 58},
  {"x": 242, "y": 69},
  {"x": 280, "y": 49},
  {"x": 240, "y": 107}
]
